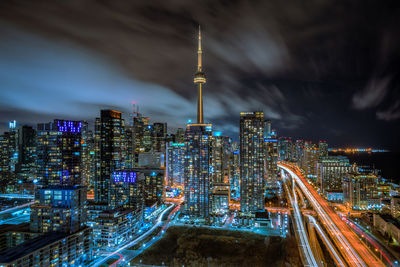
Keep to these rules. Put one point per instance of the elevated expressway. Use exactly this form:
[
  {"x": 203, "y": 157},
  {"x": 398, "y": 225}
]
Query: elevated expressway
[{"x": 342, "y": 240}]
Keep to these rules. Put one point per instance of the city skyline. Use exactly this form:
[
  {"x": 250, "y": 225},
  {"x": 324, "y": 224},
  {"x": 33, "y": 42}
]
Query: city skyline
[
  {"x": 308, "y": 90},
  {"x": 287, "y": 157}
]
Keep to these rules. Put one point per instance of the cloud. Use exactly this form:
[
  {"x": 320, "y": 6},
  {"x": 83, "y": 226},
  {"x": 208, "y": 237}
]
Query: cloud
[
  {"x": 392, "y": 113},
  {"x": 65, "y": 79},
  {"x": 258, "y": 55},
  {"x": 62, "y": 79},
  {"x": 373, "y": 94}
]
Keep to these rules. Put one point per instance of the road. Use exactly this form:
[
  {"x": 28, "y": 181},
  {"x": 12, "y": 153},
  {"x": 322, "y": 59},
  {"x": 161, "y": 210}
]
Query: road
[
  {"x": 16, "y": 215},
  {"x": 124, "y": 249},
  {"x": 387, "y": 256},
  {"x": 354, "y": 251},
  {"x": 16, "y": 208},
  {"x": 307, "y": 255}
]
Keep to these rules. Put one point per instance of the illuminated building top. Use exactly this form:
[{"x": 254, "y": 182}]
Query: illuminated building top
[
  {"x": 124, "y": 177},
  {"x": 69, "y": 126}
]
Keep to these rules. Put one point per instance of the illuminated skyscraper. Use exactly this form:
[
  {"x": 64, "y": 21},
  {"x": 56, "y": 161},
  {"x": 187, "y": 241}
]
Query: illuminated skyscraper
[
  {"x": 323, "y": 149},
  {"x": 271, "y": 159},
  {"x": 251, "y": 161},
  {"x": 159, "y": 136},
  {"x": 59, "y": 153},
  {"x": 197, "y": 169},
  {"x": 268, "y": 128},
  {"x": 111, "y": 151},
  {"x": 330, "y": 172},
  {"x": 219, "y": 171},
  {"x": 5, "y": 172},
  {"x": 197, "y": 161},
  {"x": 234, "y": 165},
  {"x": 127, "y": 190},
  {"x": 309, "y": 160},
  {"x": 286, "y": 148},
  {"x": 299, "y": 149},
  {"x": 180, "y": 135},
  {"x": 175, "y": 163},
  {"x": 26, "y": 165}
]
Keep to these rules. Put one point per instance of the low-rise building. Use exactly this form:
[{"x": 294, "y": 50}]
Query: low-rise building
[
  {"x": 115, "y": 227},
  {"x": 395, "y": 206},
  {"x": 51, "y": 249},
  {"x": 11, "y": 235},
  {"x": 387, "y": 226},
  {"x": 360, "y": 191}
]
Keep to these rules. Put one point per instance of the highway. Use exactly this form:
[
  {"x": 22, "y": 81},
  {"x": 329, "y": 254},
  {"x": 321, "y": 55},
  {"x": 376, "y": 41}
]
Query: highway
[
  {"x": 387, "y": 256},
  {"x": 354, "y": 251},
  {"x": 301, "y": 234},
  {"x": 332, "y": 249}
]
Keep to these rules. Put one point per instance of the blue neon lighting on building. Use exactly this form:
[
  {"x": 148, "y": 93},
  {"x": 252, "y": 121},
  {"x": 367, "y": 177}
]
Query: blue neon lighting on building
[
  {"x": 124, "y": 176},
  {"x": 218, "y": 133},
  {"x": 12, "y": 124},
  {"x": 177, "y": 144},
  {"x": 69, "y": 126}
]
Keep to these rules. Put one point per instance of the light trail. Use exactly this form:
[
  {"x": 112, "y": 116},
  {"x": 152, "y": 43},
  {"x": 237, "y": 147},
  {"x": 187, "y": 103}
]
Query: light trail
[
  {"x": 328, "y": 242},
  {"x": 344, "y": 238},
  {"x": 16, "y": 208},
  {"x": 17, "y": 196},
  {"x": 352, "y": 257},
  {"x": 140, "y": 238},
  {"x": 304, "y": 242},
  {"x": 369, "y": 237},
  {"x": 118, "y": 254}
]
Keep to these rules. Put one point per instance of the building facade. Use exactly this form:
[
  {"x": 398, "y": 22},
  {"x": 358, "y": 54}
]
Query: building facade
[
  {"x": 197, "y": 169},
  {"x": 251, "y": 161}
]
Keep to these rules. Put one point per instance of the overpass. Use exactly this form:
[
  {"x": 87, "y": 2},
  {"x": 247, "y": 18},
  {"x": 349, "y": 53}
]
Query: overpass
[{"x": 353, "y": 251}]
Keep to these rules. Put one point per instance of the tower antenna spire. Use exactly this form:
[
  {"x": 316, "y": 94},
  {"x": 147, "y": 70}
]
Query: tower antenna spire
[
  {"x": 199, "y": 79},
  {"x": 199, "y": 52}
]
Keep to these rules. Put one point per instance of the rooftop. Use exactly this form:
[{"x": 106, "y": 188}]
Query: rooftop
[{"x": 30, "y": 246}]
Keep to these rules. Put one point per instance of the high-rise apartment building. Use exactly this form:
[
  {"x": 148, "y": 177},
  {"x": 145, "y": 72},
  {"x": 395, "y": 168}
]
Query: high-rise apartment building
[
  {"x": 26, "y": 165},
  {"x": 197, "y": 169},
  {"x": 59, "y": 152},
  {"x": 234, "y": 164},
  {"x": 271, "y": 159},
  {"x": 309, "y": 160},
  {"x": 59, "y": 208},
  {"x": 127, "y": 190},
  {"x": 159, "y": 136},
  {"x": 323, "y": 149},
  {"x": 219, "y": 173},
  {"x": 111, "y": 149},
  {"x": 175, "y": 163},
  {"x": 251, "y": 161},
  {"x": 330, "y": 172},
  {"x": 360, "y": 191}
]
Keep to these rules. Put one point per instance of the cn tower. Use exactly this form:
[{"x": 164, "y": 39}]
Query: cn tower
[{"x": 199, "y": 79}]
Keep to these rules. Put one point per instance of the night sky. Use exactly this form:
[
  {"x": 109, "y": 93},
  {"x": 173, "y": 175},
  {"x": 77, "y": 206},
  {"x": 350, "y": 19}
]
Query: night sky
[{"x": 318, "y": 69}]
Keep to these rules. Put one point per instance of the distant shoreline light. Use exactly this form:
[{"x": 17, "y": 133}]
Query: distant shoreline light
[{"x": 358, "y": 150}]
